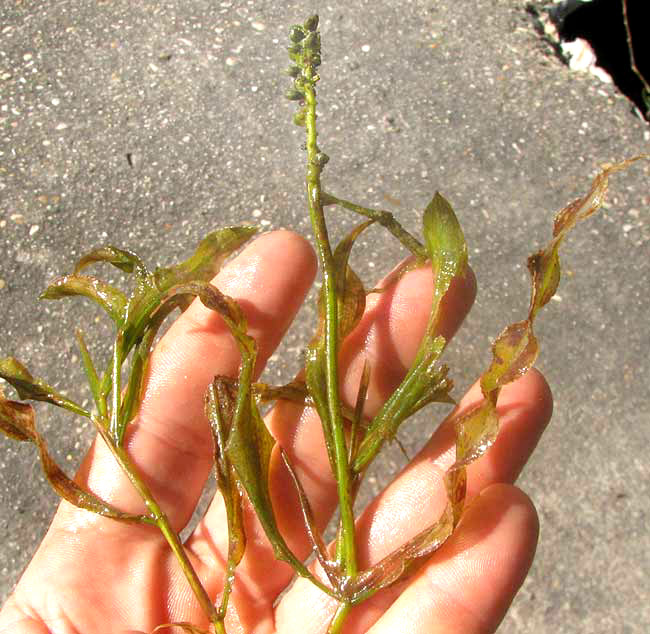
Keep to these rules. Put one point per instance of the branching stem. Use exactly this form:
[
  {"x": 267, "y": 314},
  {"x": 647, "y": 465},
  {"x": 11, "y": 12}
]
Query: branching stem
[{"x": 384, "y": 218}]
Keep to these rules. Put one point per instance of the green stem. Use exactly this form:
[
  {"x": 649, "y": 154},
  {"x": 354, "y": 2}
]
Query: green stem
[
  {"x": 116, "y": 375},
  {"x": 163, "y": 524},
  {"x": 384, "y": 218},
  {"x": 336, "y": 626},
  {"x": 314, "y": 166},
  {"x": 219, "y": 627}
]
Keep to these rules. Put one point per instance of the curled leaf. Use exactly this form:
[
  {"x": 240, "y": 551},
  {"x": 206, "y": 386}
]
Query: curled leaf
[
  {"x": 397, "y": 566},
  {"x": 206, "y": 260},
  {"x": 17, "y": 422},
  {"x": 109, "y": 298},
  {"x": 29, "y": 388},
  {"x": 513, "y": 354},
  {"x": 120, "y": 258},
  {"x": 516, "y": 348},
  {"x": 220, "y": 409},
  {"x": 202, "y": 266}
]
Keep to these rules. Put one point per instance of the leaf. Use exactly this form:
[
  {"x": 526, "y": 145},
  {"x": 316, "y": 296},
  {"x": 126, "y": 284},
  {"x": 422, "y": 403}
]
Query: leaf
[
  {"x": 316, "y": 379},
  {"x": 202, "y": 266},
  {"x": 350, "y": 294},
  {"x": 356, "y": 430},
  {"x": 15, "y": 419},
  {"x": 319, "y": 548},
  {"x": 17, "y": 422},
  {"x": 212, "y": 298},
  {"x": 124, "y": 260},
  {"x": 106, "y": 296},
  {"x": 29, "y": 388},
  {"x": 513, "y": 354},
  {"x": 91, "y": 374},
  {"x": 423, "y": 383},
  {"x": 220, "y": 411},
  {"x": 516, "y": 348},
  {"x": 249, "y": 450},
  {"x": 206, "y": 260},
  {"x": 138, "y": 371},
  {"x": 445, "y": 242},
  {"x": 294, "y": 391},
  {"x": 397, "y": 566},
  {"x": 249, "y": 445}
]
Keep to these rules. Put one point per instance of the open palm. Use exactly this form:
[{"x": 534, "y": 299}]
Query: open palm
[{"x": 92, "y": 575}]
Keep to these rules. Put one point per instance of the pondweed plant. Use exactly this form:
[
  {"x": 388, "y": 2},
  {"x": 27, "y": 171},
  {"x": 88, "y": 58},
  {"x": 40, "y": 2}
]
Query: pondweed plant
[{"x": 242, "y": 443}]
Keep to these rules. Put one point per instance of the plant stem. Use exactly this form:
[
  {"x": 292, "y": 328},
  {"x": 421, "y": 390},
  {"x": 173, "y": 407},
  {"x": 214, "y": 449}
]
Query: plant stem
[
  {"x": 336, "y": 626},
  {"x": 384, "y": 218},
  {"x": 635, "y": 68},
  {"x": 314, "y": 166},
  {"x": 163, "y": 524},
  {"x": 219, "y": 627},
  {"x": 116, "y": 374}
]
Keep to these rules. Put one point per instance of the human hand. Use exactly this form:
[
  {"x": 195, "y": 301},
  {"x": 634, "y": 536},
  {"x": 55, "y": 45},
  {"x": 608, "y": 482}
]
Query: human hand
[{"x": 92, "y": 575}]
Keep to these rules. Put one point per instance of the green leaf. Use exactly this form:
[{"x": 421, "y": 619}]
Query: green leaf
[
  {"x": 106, "y": 296},
  {"x": 249, "y": 450},
  {"x": 29, "y": 388},
  {"x": 212, "y": 298},
  {"x": 356, "y": 430},
  {"x": 207, "y": 260},
  {"x": 124, "y": 260},
  {"x": 202, "y": 266},
  {"x": 445, "y": 242},
  {"x": 138, "y": 371},
  {"x": 91, "y": 374},
  {"x": 316, "y": 380},
  {"x": 220, "y": 408},
  {"x": 17, "y": 422},
  {"x": 423, "y": 383},
  {"x": 350, "y": 294},
  {"x": 249, "y": 444}
]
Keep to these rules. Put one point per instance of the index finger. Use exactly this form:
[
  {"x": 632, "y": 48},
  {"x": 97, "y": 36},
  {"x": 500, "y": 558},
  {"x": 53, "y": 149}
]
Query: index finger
[{"x": 169, "y": 441}]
